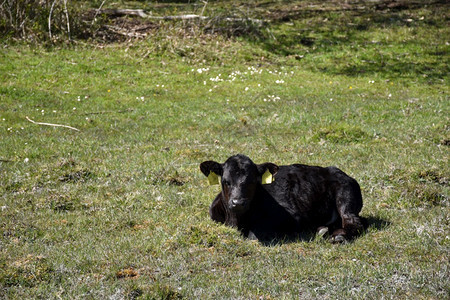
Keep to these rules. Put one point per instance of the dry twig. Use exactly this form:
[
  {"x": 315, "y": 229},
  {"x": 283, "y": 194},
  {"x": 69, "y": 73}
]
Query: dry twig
[
  {"x": 50, "y": 20},
  {"x": 54, "y": 125},
  {"x": 67, "y": 19},
  {"x": 97, "y": 11}
]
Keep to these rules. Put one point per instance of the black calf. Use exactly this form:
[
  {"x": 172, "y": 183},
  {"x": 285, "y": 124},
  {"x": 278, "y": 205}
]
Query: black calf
[{"x": 300, "y": 198}]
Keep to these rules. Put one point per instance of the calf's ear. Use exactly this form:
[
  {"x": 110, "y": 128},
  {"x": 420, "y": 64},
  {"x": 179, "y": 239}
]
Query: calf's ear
[
  {"x": 211, "y": 166},
  {"x": 267, "y": 171},
  {"x": 212, "y": 170}
]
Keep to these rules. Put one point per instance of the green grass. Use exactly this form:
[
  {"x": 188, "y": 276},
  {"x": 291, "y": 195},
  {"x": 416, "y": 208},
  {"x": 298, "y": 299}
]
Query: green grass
[{"x": 120, "y": 208}]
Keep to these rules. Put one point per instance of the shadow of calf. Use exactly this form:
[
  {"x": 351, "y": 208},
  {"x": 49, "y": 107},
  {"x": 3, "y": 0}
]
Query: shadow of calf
[{"x": 371, "y": 223}]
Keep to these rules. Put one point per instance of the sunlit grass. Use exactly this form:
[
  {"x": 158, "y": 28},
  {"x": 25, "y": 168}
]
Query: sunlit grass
[{"x": 120, "y": 209}]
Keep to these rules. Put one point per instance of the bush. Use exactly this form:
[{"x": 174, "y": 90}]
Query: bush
[{"x": 39, "y": 20}]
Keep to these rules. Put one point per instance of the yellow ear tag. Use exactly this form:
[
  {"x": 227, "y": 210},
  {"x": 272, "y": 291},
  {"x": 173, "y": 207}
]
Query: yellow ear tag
[
  {"x": 267, "y": 177},
  {"x": 213, "y": 178}
]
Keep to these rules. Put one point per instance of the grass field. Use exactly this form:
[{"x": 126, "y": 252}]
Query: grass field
[{"x": 119, "y": 209}]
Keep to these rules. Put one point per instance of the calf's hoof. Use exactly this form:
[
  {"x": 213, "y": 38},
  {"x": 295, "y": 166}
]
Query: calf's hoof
[
  {"x": 338, "y": 239},
  {"x": 322, "y": 231}
]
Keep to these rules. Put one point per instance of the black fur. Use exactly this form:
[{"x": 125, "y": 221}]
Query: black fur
[{"x": 301, "y": 198}]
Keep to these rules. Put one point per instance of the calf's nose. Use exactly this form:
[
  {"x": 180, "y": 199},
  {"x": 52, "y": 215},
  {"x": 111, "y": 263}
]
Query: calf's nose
[{"x": 238, "y": 203}]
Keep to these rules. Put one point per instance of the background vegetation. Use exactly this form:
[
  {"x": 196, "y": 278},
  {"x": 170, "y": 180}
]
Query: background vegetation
[{"x": 119, "y": 208}]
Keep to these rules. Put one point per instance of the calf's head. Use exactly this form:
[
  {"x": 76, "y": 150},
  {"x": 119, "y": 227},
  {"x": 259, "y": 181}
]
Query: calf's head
[{"x": 240, "y": 178}]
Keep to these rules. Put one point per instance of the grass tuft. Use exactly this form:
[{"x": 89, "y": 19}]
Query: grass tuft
[{"x": 341, "y": 133}]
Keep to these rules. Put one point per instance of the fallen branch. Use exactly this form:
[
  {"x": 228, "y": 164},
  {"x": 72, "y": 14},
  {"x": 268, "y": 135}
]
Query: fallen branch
[
  {"x": 49, "y": 124},
  {"x": 123, "y": 12},
  {"x": 193, "y": 17},
  {"x": 142, "y": 14},
  {"x": 180, "y": 17}
]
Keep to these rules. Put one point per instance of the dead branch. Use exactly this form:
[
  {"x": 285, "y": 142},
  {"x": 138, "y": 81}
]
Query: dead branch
[
  {"x": 50, "y": 20},
  {"x": 180, "y": 17},
  {"x": 49, "y": 124},
  {"x": 142, "y": 14},
  {"x": 204, "y": 7},
  {"x": 67, "y": 19},
  {"x": 123, "y": 12},
  {"x": 97, "y": 11}
]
